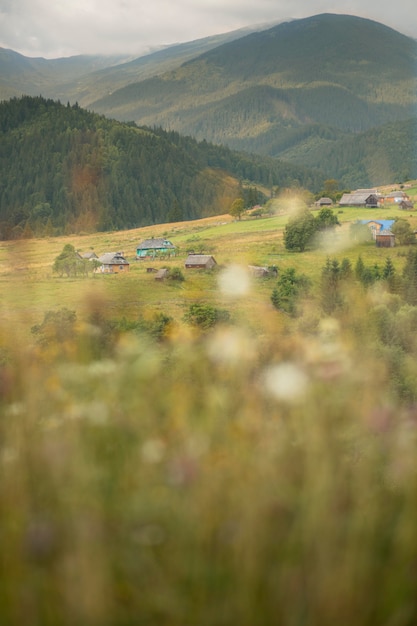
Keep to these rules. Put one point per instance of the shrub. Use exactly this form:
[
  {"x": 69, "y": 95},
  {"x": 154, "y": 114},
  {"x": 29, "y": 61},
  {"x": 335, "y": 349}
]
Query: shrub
[
  {"x": 206, "y": 316},
  {"x": 176, "y": 274}
]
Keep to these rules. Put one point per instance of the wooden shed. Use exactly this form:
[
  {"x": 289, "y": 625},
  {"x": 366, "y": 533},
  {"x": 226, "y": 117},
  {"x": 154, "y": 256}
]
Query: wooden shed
[
  {"x": 258, "y": 271},
  {"x": 385, "y": 239},
  {"x": 406, "y": 205},
  {"x": 162, "y": 274},
  {"x": 200, "y": 261},
  {"x": 324, "y": 202}
]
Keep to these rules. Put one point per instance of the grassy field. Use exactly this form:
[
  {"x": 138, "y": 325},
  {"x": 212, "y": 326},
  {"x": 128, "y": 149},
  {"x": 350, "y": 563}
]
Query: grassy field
[
  {"x": 261, "y": 472},
  {"x": 28, "y": 286}
]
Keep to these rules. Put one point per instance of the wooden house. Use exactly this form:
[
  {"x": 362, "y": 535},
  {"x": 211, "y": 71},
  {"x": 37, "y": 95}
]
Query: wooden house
[
  {"x": 112, "y": 263},
  {"x": 154, "y": 247},
  {"x": 200, "y": 261},
  {"x": 361, "y": 198},
  {"x": 378, "y": 227},
  {"x": 396, "y": 197}
]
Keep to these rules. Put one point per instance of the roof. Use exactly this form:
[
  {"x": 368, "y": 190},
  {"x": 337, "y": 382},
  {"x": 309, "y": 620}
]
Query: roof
[
  {"x": 199, "y": 259},
  {"x": 155, "y": 243},
  {"x": 162, "y": 273},
  {"x": 324, "y": 200},
  {"x": 89, "y": 255},
  {"x": 396, "y": 194},
  {"x": 385, "y": 224},
  {"x": 258, "y": 270},
  {"x": 357, "y": 198},
  {"x": 112, "y": 258}
]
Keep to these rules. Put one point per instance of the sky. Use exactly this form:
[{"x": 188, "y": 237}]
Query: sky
[{"x": 59, "y": 28}]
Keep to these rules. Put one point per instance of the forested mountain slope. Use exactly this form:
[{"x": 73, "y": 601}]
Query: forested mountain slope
[
  {"x": 368, "y": 159},
  {"x": 334, "y": 92},
  {"x": 327, "y": 76},
  {"x": 85, "y": 78},
  {"x": 64, "y": 169},
  {"x": 344, "y": 71}
]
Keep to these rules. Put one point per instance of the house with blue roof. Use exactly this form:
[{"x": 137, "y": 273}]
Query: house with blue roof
[
  {"x": 381, "y": 232},
  {"x": 378, "y": 226}
]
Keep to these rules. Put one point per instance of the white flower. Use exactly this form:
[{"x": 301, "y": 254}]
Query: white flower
[
  {"x": 234, "y": 281},
  {"x": 230, "y": 346},
  {"x": 286, "y": 381}
]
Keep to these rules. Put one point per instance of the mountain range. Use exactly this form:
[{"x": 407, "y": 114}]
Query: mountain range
[{"x": 333, "y": 92}]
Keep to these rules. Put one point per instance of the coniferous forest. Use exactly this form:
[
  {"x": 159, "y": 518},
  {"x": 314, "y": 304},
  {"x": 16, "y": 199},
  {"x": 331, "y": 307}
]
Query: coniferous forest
[{"x": 64, "y": 169}]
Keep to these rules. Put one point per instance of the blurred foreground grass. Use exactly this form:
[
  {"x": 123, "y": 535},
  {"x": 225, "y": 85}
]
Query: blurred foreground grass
[{"x": 213, "y": 479}]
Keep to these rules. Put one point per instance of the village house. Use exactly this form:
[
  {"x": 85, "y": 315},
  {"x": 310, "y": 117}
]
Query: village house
[
  {"x": 154, "y": 247},
  {"x": 396, "y": 197},
  {"x": 379, "y": 228},
  {"x": 112, "y": 263},
  {"x": 368, "y": 198},
  {"x": 200, "y": 261}
]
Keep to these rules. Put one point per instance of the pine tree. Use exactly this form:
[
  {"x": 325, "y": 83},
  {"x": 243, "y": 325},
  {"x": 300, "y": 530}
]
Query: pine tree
[
  {"x": 359, "y": 268},
  {"x": 410, "y": 278},
  {"x": 331, "y": 277}
]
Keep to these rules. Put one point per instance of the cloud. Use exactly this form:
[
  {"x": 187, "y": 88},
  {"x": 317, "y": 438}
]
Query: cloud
[{"x": 62, "y": 28}]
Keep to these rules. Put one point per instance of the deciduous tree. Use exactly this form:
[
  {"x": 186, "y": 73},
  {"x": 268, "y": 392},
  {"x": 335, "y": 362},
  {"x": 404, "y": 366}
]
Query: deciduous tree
[
  {"x": 238, "y": 208},
  {"x": 299, "y": 231}
]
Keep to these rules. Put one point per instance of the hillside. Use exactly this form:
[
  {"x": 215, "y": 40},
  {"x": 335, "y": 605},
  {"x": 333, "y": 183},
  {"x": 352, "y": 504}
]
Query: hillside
[
  {"x": 365, "y": 159},
  {"x": 328, "y": 76},
  {"x": 64, "y": 169}
]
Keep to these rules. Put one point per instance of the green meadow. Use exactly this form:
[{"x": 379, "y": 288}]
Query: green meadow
[
  {"x": 257, "y": 470},
  {"x": 29, "y": 287}
]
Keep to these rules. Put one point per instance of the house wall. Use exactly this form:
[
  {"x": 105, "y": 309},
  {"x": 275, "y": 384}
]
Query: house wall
[
  {"x": 151, "y": 252},
  {"x": 374, "y": 227}
]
